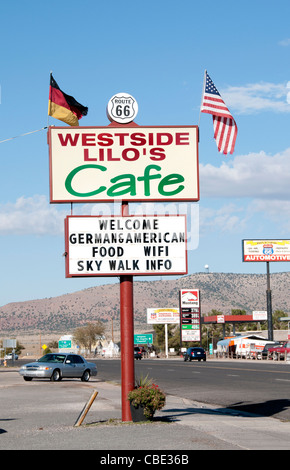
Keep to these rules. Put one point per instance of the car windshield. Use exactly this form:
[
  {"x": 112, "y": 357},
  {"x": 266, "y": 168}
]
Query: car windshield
[{"x": 52, "y": 358}]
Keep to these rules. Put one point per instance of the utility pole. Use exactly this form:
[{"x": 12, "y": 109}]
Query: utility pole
[{"x": 269, "y": 305}]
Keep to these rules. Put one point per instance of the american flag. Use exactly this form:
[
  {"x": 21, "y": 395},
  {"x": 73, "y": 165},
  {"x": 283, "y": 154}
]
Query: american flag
[{"x": 225, "y": 128}]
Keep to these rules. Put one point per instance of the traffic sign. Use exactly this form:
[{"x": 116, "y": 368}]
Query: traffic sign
[
  {"x": 143, "y": 339},
  {"x": 64, "y": 344}
]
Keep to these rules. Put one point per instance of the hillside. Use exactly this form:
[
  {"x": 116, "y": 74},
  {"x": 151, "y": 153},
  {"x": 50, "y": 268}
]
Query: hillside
[{"x": 220, "y": 291}]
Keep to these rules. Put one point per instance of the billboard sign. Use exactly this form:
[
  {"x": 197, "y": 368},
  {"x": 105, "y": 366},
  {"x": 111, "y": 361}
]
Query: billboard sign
[
  {"x": 266, "y": 250},
  {"x": 260, "y": 315},
  {"x": 135, "y": 245},
  {"x": 162, "y": 315},
  {"x": 128, "y": 163}
]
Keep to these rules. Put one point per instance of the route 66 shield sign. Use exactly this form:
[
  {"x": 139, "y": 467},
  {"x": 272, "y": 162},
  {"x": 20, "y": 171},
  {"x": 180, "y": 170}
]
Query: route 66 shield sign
[{"x": 122, "y": 108}]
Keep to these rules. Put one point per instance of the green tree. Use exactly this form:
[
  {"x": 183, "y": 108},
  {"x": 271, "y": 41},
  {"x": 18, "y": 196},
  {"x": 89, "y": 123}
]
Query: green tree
[
  {"x": 277, "y": 324},
  {"x": 87, "y": 335},
  {"x": 173, "y": 336}
]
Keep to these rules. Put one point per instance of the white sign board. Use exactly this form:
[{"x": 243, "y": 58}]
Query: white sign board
[
  {"x": 135, "y": 245},
  {"x": 9, "y": 343},
  {"x": 163, "y": 315},
  {"x": 260, "y": 315},
  {"x": 266, "y": 250},
  {"x": 125, "y": 163},
  {"x": 190, "y": 334}
]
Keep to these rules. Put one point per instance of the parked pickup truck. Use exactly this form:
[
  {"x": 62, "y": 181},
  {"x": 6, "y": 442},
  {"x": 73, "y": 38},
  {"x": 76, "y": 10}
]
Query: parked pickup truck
[{"x": 280, "y": 351}]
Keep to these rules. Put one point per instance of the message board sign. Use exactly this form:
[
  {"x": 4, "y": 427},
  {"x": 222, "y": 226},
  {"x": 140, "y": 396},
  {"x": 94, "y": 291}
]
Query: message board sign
[
  {"x": 266, "y": 250},
  {"x": 128, "y": 163},
  {"x": 135, "y": 245}
]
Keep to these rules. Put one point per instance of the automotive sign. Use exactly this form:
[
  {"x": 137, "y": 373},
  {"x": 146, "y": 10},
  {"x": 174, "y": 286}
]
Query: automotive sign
[
  {"x": 128, "y": 163},
  {"x": 136, "y": 245},
  {"x": 266, "y": 250}
]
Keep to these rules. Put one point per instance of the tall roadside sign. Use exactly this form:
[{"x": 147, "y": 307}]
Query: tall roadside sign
[
  {"x": 124, "y": 162},
  {"x": 103, "y": 164},
  {"x": 190, "y": 309},
  {"x": 266, "y": 250}
]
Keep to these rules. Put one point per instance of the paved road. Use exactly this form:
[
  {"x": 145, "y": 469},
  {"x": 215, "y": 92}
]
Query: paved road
[
  {"x": 260, "y": 387},
  {"x": 251, "y": 386}
]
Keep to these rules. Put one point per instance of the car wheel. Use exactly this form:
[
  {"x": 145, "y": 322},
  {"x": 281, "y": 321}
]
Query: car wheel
[
  {"x": 86, "y": 376},
  {"x": 204, "y": 359},
  {"x": 55, "y": 376},
  {"x": 27, "y": 379}
]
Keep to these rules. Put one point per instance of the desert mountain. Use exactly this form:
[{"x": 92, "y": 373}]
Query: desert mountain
[{"x": 220, "y": 291}]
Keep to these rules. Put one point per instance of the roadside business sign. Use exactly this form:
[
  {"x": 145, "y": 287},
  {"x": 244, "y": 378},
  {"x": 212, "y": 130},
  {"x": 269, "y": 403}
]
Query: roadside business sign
[
  {"x": 190, "y": 327},
  {"x": 128, "y": 163},
  {"x": 220, "y": 319},
  {"x": 189, "y": 298},
  {"x": 135, "y": 245},
  {"x": 266, "y": 250},
  {"x": 162, "y": 315},
  {"x": 259, "y": 315}
]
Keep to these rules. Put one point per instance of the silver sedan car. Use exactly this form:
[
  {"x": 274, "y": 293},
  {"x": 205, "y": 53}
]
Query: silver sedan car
[{"x": 55, "y": 366}]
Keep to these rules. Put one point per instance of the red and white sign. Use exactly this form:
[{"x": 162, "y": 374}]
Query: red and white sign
[
  {"x": 136, "y": 245},
  {"x": 190, "y": 314},
  {"x": 266, "y": 250},
  {"x": 128, "y": 163},
  {"x": 220, "y": 319},
  {"x": 189, "y": 298}
]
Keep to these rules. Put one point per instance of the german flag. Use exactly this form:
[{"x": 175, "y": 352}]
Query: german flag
[{"x": 64, "y": 107}]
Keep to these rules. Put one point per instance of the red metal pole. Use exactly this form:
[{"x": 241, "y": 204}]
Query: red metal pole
[{"x": 127, "y": 336}]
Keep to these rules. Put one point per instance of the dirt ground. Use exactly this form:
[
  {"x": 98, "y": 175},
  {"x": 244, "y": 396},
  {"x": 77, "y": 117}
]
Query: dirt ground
[{"x": 33, "y": 343}]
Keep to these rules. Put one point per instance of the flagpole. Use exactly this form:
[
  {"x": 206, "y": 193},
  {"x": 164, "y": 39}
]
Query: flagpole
[
  {"x": 203, "y": 88},
  {"x": 49, "y": 99}
]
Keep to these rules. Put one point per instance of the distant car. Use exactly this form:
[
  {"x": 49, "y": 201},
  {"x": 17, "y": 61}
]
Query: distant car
[
  {"x": 56, "y": 366},
  {"x": 280, "y": 351},
  {"x": 137, "y": 353},
  {"x": 265, "y": 351},
  {"x": 195, "y": 353},
  {"x": 10, "y": 356}
]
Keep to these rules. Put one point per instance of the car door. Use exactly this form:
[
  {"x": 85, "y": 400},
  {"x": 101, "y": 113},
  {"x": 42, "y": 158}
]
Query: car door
[
  {"x": 69, "y": 367},
  {"x": 79, "y": 366}
]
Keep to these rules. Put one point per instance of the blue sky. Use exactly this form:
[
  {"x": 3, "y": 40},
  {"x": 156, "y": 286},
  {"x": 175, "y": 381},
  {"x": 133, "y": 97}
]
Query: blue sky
[{"x": 158, "y": 52}]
